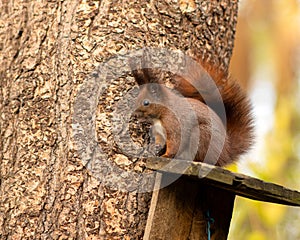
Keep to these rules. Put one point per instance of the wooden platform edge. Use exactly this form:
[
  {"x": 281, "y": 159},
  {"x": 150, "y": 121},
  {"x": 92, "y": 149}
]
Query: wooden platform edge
[{"x": 241, "y": 185}]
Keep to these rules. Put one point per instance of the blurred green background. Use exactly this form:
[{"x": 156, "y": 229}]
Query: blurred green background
[{"x": 266, "y": 60}]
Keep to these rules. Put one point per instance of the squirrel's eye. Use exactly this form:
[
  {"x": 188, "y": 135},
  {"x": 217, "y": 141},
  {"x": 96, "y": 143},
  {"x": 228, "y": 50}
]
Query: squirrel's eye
[{"x": 146, "y": 102}]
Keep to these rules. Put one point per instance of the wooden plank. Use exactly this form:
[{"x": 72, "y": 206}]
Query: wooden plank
[
  {"x": 179, "y": 211},
  {"x": 238, "y": 184}
]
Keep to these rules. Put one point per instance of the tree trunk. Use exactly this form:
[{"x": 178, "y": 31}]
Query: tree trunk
[{"x": 48, "y": 49}]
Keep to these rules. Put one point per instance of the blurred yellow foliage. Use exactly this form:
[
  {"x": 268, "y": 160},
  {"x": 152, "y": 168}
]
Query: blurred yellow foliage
[
  {"x": 267, "y": 48},
  {"x": 256, "y": 235},
  {"x": 271, "y": 213}
]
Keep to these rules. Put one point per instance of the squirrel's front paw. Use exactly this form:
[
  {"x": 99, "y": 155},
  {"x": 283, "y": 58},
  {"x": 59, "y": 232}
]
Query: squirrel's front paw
[
  {"x": 168, "y": 155},
  {"x": 157, "y": 149}
]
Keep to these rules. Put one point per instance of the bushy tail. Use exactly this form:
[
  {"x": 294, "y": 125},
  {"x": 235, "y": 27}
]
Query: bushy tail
[{"x": 239, "y": 121}]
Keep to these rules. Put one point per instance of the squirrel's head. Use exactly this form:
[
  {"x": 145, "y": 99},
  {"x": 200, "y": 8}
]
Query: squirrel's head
[{"x": 150, "y": 101}]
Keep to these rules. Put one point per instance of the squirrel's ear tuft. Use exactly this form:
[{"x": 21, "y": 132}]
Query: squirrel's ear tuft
[
  {"x": 140, "y": 77},
  {"x": 140, "y": 69},
  {"x": 137, "y": 70}
]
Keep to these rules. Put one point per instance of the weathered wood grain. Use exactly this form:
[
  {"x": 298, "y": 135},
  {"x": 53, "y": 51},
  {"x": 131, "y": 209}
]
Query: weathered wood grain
[
  {"x": 236, "y": 183},
  {"x": 179, "y": 211}
]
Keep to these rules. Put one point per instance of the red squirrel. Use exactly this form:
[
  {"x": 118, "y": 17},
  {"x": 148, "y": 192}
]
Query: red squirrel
[{"x": 209, "y": 135}]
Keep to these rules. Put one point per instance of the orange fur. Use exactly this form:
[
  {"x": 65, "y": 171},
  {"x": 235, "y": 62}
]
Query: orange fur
[{"x": 173, "y": 124}]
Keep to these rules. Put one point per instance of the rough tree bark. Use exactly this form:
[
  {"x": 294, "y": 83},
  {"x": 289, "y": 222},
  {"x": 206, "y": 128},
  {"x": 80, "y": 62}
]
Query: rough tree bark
[{"x": 47, "y": 50}]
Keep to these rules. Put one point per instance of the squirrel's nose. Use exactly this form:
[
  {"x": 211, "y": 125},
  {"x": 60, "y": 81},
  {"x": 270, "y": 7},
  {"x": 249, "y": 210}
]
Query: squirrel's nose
[{"x": 138, "y": 114}]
